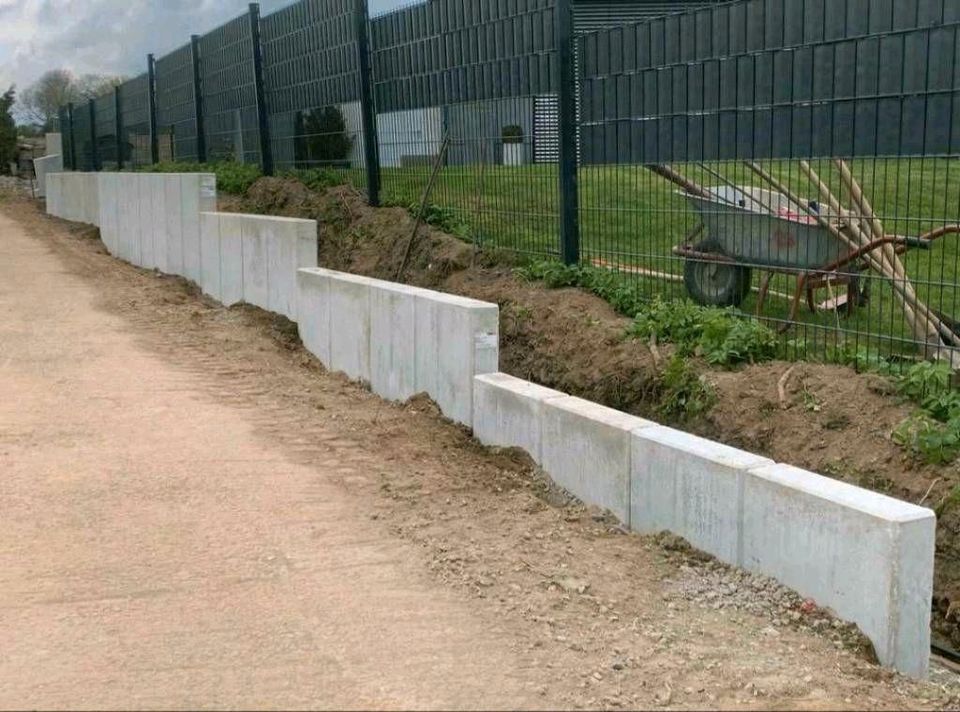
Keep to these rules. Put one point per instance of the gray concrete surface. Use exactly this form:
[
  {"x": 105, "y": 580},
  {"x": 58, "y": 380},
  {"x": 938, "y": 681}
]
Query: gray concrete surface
[{"x": 508, "y": 412}]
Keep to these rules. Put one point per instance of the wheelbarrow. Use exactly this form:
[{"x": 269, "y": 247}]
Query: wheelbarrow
[{"x": 745, "y": 228}]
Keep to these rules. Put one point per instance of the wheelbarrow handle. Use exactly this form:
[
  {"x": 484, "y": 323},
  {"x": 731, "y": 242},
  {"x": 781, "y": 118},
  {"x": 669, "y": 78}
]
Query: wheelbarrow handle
[{"x": 921, "y": 243}]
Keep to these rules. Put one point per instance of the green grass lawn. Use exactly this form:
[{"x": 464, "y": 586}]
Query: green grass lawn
[{"x": 633, "y": 218}]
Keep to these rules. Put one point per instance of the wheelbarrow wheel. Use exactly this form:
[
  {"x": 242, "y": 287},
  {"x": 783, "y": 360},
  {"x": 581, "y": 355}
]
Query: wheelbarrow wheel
[{"x": 715, "y": 284}]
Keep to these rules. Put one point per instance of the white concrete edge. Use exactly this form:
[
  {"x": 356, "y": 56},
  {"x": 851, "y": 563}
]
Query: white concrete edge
[
  {"x": 712, "y": 501},
  {"x": 881, "y": 508},
  {"x": 873, "y": 504}
]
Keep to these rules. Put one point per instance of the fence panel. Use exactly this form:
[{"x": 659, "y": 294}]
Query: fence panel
[
  {"x": 230, "y": 120},
  {"x": 468, "y": 90},
  {"x": 105, "y": 113},
  {"x": 83, "y": 137},
  {"x": 66, "y": 132},
  {"x": 312, "y": 81},
  {"x": 701, "y": 138},
  {"x": 135, "y": 122},
  {"x": 795, "y": 157},
  {"x": 176, "y": 106}
]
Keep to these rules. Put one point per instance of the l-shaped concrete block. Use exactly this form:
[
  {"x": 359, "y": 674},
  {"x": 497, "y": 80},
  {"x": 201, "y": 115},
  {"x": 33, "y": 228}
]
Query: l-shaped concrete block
[
  {"x": 691, "y": 487},
  {"x": 393, "y": 345},
  {"x": 457, "y": 339},
  {"x": 867, "y": 556},
  {"x": 313, "y": 301},
  {"x": 587, "y": 450},
  {"x": 508, "y": 412}
]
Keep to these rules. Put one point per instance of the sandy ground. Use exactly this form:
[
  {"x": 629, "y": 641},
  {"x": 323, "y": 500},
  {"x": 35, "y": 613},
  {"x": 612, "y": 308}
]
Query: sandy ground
[{"x": 193, "y": 514}]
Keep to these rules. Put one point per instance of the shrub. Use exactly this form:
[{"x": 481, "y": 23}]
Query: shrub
[
  {"x": 721, "y": 336},
  {"x": 933, "y": 433},
  {"x": 935, "y": 442},
  {"x": 316, "y": 179},
  {"x": 322, "y": 137},
  {"x": 512, "y": 134},
  {"x": 233, "y": 178},
  {"x": 685, "y": 395}
]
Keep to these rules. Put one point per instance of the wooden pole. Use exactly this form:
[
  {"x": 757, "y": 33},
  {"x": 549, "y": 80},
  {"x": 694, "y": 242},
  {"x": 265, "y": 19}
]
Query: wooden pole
[{"x": 926, "y": 326}]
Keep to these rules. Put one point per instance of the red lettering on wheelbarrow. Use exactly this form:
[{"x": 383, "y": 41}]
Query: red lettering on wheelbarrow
[{"x": 783, "y": 239}]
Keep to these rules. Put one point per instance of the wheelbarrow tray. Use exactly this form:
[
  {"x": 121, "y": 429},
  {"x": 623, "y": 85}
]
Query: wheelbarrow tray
[{"x": 762, "y": 228}]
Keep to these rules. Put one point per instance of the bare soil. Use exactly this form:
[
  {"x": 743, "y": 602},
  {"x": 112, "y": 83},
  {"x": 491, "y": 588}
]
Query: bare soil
[
  {"x": 196, "y": 514},
  {"x": 833, "y": 420}
]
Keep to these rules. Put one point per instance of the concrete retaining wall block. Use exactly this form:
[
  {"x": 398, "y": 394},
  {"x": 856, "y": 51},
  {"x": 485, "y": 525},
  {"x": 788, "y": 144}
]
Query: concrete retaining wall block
[
  {"x": 587, "y": 450},
  {"x": 508, "y": 412}
]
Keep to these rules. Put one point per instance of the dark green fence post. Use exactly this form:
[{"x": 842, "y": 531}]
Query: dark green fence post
[
  {"x": 73, "y": 138},
  {"x": 152, "y": 104},
  {"x": 263, "y": 122},
  {"x": 567, "y": 103},
  {"x": 94, "y": 149},
  {"x": 118, "y": 109},
  {"x": 198, "y": 100},
  {"x": 371, "y": 141}
]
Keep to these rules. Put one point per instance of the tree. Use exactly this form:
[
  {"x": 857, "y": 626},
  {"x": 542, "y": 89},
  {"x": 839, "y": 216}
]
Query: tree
[
  {"x": 30, "y": 130},
  {"x": 42, "y": 101},
  {"x": 90, "y": 86},
  {"x": 8, "y": 130},
  {"x": 322, "y": 138}
]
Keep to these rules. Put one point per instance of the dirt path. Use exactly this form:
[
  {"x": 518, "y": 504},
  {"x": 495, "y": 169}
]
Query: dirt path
[{"x": 194, "y": 514}]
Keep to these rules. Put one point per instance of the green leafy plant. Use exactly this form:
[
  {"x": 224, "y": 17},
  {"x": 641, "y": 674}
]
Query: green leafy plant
[
  {"x": 445, "y": 219},
  {"x": 233, "y": 178},
  {"x": 512, "y": 134},
  {"x": 685, "y": 395},
  {"x": 607, "y": 285},
  {"x": 721, "y": 336},
  {"x": 933, "y": 433},
  {"x": 316, "y": 179},
  {"x": 729, "y": 339},
  {"x": 322, "y": 137},
  {"x": 925, "y": 379},
  {"x": 935, "y": 442}
]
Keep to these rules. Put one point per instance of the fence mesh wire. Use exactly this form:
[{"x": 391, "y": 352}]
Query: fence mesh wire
[
  {"x": 135, "y": 122},
  {"x": 228, "y": 91},
  {"x": 790, "y": 159},
  {"x": 818, "y": 145},
  {"x": 105, "y": 113},
  {"x": 311, "y": 72},
  {"x": 176, "y": 106},
  {"x": 466, "y": 104}
]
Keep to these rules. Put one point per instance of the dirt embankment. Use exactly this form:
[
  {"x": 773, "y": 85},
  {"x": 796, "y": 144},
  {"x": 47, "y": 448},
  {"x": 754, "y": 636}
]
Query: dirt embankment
[{"x": 830, "y": 419}]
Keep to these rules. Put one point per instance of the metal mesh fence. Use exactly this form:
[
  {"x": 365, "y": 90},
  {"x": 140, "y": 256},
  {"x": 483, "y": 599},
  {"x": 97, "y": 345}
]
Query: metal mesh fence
[
  {"x": 176, "y": 106},
  {"x": 794, "y": 162},
  {"x": 105, "y": 113},
  {"x": 465, "y": 95},
  {"x": 792, "y": 159},
  {"x": 66, "y": 131},
  {"x": 311, "y": 72},
  {"x": 228, "y": 93},
  {"x": 83, "y": 145},
  {"x": 135, "y": 122}
]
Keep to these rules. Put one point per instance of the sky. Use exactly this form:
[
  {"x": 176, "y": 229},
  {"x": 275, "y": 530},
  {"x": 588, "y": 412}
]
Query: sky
[{"x": 109, "y": 36}]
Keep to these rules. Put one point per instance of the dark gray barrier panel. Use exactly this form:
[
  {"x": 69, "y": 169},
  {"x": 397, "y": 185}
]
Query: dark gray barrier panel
[
  {"x": 311, "y": 73},
  {"x": 892, "y": 94},
  {"x": 135, "y": 121},
  {"x": 228, "y": 93},
  {"x": 105, "y": 117},
  {"x": 176, "y": 106},
  {"x": 450, "y": 51}
]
